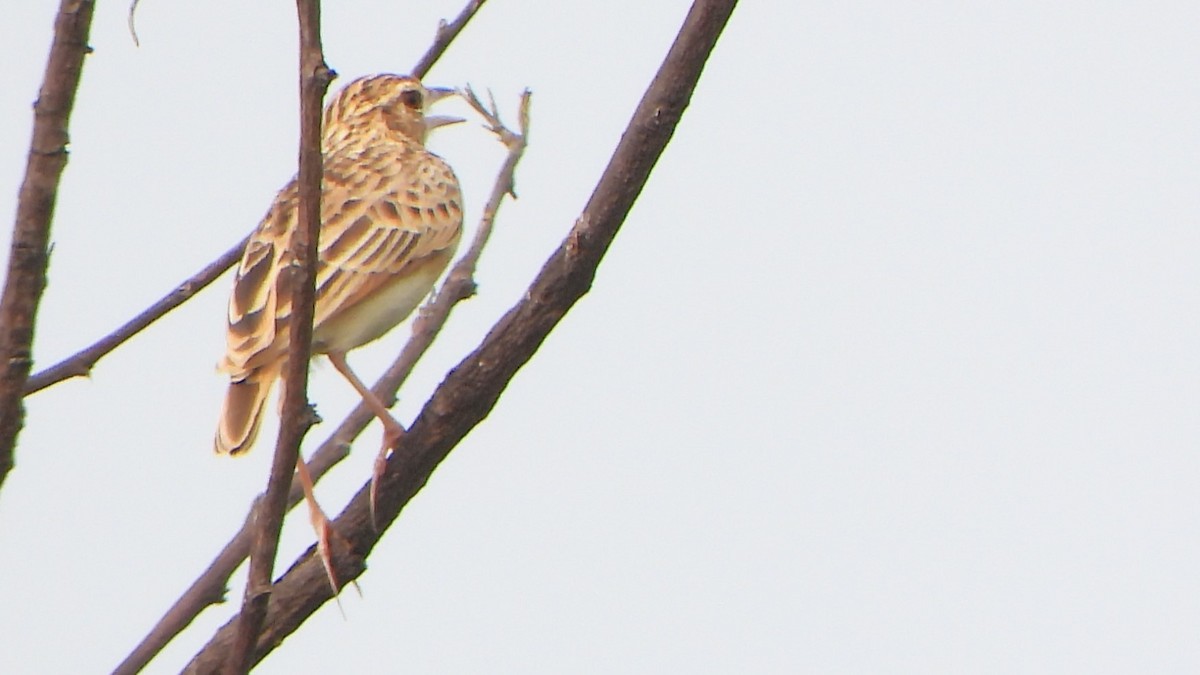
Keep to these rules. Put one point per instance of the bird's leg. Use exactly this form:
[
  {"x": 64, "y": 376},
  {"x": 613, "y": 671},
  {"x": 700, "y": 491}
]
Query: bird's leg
[
  {"x": 316, "y": 515},
  {"x": 392, "y": 430},
  {"x": 320, "y": 523}
]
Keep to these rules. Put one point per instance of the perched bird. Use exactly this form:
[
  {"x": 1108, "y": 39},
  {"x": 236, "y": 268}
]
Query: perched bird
[{"x": 391, "y": 219}]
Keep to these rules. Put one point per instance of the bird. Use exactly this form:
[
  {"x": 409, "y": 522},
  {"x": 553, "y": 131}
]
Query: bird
[{"x": 391, "y": 220}]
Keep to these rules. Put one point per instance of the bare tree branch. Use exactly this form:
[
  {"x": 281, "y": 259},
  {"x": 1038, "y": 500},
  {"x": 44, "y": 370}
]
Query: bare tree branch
[
  {"x": 446, "y": 32},
  {"x": 29, "y": 255},
  {"x": 81, "y": 363},
  {"x": 298, "y": 416},
  {"x": 472, "y": 388}
]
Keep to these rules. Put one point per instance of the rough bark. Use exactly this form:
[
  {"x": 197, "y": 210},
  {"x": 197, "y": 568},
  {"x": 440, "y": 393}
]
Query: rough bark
[{"x": 29, "y": 254}]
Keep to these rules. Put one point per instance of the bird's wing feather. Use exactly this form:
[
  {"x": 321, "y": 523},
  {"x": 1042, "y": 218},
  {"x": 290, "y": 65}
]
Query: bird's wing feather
[
  {"x": 255, "y": 304},
  {"x": 410, "y": 217},
  {"x": 380, "y": 215}
]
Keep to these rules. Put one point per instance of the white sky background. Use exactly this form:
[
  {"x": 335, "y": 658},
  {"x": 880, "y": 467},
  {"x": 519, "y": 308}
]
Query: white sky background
[{"x": 893, "y": 367}]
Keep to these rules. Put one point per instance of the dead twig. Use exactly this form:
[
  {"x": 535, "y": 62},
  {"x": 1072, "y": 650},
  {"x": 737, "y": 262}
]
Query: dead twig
[{"x": 131, "y": 24}]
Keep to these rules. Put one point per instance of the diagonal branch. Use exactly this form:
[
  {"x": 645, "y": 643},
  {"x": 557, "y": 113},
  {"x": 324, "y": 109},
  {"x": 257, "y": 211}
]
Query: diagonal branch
[
  {"x": 472, "y": 388},
  {"x": 29, "y": 254},
  {"x": 81, "y": 363}
]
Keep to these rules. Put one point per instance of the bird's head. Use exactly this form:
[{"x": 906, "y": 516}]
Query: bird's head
[{"x": 401, "y": 101}]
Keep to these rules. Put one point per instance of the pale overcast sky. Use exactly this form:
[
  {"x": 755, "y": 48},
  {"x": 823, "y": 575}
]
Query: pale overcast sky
[{"x": 894, "y": 366}]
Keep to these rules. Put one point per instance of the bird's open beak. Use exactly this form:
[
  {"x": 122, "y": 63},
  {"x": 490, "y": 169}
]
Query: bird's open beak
[
  {"x": 434, "y": 121},
  {"x": 436, "y": 94}
]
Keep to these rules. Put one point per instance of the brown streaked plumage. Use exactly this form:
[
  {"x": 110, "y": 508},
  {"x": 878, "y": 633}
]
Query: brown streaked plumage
[
  {"x": 390, "y": 221},
  {"x": 391, "y": 218}
]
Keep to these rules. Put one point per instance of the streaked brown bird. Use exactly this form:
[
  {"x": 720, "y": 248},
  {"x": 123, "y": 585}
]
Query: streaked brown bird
[{"x": 391, "y": 219}]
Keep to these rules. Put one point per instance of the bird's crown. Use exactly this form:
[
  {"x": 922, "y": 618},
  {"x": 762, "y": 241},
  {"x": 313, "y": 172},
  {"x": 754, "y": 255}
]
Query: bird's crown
[{"x": 398, "y": 101}]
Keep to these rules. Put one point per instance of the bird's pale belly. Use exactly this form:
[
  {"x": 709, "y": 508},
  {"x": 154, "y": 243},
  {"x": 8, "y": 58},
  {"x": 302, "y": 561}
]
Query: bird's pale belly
[{"x": 374, "y": 316}]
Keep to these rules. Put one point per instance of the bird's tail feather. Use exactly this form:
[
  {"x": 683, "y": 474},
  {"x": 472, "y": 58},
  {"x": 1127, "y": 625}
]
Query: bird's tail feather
[{"x": 242, "y": 411}]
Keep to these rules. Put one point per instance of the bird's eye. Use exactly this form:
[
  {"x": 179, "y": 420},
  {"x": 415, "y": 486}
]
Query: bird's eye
[{"x": 411, "y": 98}]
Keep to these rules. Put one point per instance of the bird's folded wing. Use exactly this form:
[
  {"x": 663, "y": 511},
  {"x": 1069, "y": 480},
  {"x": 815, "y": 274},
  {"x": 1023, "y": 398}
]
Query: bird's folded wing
[
  {"x": 368, "y": 243},
  {"x": 365, "y": 242},
  {"x": 255, "y": 305}
]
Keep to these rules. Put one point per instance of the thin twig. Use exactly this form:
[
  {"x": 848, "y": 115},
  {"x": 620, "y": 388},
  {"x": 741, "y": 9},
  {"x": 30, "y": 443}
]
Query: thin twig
[
  {"x": 472, "y": 388},
  {"x": 80, "y": 364},
  {"x": 29, "y": 255},
  {"x": 297, "y": 416},
  {"x": 132, "y": 25},
  {"x": 461, "y": 279},
  {"x": 446, "y": 32}
]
